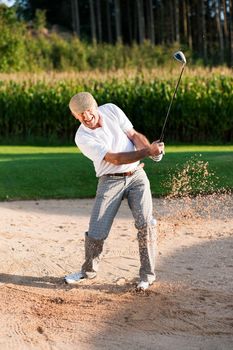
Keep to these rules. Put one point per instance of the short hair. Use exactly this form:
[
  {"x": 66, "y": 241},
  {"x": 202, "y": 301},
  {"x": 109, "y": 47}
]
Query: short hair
[{"x": 81, "y": 102}]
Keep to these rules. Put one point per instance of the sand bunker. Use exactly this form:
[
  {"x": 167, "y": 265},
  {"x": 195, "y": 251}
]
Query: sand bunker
[{"x": 189, "y": 307}]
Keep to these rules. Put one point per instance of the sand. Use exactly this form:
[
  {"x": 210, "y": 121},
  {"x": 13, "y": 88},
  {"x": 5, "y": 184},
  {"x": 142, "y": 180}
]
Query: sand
[{"x": 189, "y": 307}]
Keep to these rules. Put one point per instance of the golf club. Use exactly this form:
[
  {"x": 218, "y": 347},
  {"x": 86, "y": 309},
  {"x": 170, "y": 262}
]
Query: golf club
[{"x": 180, "y": 57}]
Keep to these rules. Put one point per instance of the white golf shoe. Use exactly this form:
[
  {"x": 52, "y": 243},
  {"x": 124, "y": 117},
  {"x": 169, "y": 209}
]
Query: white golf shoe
[
  {"x": 75, "y": 277},
  {"x": 143, "y": 285}
]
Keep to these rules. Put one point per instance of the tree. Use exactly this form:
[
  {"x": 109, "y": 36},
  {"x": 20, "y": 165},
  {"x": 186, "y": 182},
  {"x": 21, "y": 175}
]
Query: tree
[
  {"x": 109, "y": 25},
  {"x": 205, "y": 26},
  {"x": 219, "y": 30},
  {"x": 177, "y": 21},
  {"x": 141, "y": 22},
  {"x": 118, "y": 21},
  {"x": 230, "y": 31},
  {"x": 150, "y": 21},
  {"x": 184, "y": 22},
  {"x": 99, "y": 20},
  {"x": 189, "y": 15},
  {"x": 161, "y": 32},
  {"x": 93, "y": 25},
  {"x": 75, "y": 17}
]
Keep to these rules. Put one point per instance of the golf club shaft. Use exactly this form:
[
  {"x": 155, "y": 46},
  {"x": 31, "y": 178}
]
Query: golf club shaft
[{"x": 169, "y": 108}]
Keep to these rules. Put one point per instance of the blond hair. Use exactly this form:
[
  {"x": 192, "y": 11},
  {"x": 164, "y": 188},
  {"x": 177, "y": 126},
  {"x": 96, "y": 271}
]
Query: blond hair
[{"x": 81, "y": 102}]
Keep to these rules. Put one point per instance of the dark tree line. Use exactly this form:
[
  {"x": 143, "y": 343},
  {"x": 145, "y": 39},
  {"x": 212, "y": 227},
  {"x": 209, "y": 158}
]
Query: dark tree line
[{"x": 203, "y": 26}]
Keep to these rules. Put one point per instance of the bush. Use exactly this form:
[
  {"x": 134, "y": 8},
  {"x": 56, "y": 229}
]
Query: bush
[
  {"x": 30, "y": 47},
  {"x": 12, "y": 50}
]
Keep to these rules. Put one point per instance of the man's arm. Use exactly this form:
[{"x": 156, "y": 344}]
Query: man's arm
[
  {"x": 126, "y": 157},
  {"x": 139, "y": 140},
  {"x": 143, "y": 146}
]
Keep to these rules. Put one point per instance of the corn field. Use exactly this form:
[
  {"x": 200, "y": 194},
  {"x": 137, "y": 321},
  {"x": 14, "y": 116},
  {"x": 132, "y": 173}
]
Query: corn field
[{"x": 35, "y": 107}]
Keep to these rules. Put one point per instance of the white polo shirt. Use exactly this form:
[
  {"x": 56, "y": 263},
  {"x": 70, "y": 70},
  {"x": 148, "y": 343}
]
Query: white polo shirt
[{"x": 110, "y": 137}]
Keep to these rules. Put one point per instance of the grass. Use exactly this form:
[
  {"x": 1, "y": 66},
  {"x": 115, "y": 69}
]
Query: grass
[{"x": 62, "y": 172}]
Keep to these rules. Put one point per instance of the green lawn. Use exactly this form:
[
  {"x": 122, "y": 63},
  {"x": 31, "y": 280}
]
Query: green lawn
[{"x": 62, "y": 172}]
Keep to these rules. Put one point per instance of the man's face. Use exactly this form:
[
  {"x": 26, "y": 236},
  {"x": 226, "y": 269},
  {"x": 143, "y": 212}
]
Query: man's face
[{"x": 90, "y": 118}]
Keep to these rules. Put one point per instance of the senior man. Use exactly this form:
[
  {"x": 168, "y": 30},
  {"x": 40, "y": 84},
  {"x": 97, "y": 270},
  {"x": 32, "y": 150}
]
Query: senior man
[{"x": 107, "y": 137}]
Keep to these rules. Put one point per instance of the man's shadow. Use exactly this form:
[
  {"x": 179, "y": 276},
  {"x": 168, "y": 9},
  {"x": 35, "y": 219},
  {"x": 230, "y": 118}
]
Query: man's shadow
[
  {"x": 49, "y": 282},
  {"x": 58, "y": 283}
]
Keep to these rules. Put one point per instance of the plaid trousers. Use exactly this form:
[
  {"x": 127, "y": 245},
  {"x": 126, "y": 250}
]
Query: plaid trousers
[{"x": 111, "y": 191}]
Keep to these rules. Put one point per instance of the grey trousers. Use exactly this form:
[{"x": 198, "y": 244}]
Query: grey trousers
[{"x": 111, "y": 191}]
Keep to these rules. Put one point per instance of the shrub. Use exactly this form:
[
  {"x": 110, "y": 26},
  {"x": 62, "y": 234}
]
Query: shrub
[{"x": 12, "y": 48}]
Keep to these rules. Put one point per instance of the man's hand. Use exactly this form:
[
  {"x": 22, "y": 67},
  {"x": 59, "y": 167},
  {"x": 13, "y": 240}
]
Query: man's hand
[{"x": 157, "y": 147}]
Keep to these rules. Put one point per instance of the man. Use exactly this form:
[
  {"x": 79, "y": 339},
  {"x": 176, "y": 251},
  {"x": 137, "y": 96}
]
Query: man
[{"x": 108, "y": 138}]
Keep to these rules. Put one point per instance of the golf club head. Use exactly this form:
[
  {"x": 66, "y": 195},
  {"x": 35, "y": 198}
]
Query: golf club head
[{"x": 179, "y": 56}]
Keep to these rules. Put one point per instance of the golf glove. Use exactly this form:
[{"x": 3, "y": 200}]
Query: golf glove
[{"x": 157, "y": 158}]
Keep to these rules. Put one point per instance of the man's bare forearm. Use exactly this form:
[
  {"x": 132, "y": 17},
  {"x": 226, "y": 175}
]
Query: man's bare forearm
[
  {"x": 127, "y": 157},
  {"x": 143, "y": 146}
]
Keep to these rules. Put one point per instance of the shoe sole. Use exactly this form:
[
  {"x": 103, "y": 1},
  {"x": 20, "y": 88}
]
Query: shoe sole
[{"x": 74, "y": 281}]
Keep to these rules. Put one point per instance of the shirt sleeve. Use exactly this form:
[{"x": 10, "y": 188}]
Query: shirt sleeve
[
  {"x": 91, "y": 149},
  {"x": 124, "y": 122}
]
